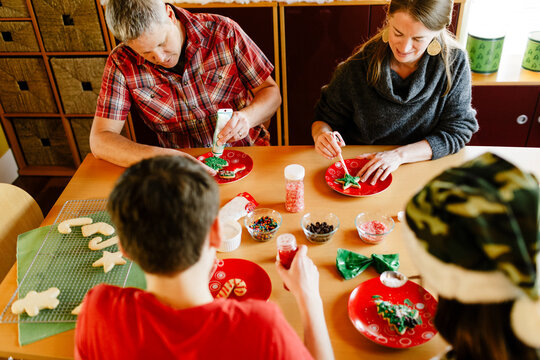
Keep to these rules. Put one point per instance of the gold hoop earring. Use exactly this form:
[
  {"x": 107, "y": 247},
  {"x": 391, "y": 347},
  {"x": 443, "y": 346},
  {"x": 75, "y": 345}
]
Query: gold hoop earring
[
  {"x": 384, "y": 36},
  {"x": 434, "y": 47}
]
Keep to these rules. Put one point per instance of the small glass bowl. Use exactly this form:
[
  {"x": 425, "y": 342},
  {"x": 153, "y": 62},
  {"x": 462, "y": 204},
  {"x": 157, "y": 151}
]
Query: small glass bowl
[
  {"x": 254, "y": 216},
  {"x": 373, "y": 227},
  {"x": 313, "y": 218}
]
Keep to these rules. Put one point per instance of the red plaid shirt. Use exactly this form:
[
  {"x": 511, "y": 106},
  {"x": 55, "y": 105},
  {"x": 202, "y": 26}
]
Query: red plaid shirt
[{"x": 222, "y": 65}]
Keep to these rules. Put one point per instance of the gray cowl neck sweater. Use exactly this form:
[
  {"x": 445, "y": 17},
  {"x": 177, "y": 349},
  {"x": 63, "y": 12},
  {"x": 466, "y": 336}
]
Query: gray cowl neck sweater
[{"x": 401, "y": 111}]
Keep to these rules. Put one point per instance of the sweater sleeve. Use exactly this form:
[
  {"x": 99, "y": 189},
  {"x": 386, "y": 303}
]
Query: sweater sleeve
[
  {"x": 335, "y": 105},
  {"x": 458, "y": 122}
]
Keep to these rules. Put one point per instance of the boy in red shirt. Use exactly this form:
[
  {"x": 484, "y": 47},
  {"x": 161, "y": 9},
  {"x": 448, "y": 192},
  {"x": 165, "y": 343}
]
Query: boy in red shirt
[{"x": 165, "y": 211}]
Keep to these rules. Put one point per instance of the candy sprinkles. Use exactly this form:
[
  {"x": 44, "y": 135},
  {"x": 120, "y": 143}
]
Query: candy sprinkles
[{"x": 262, "y": 226}]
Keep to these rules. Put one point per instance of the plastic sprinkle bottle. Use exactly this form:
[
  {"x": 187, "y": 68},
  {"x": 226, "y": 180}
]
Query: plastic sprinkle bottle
[
  {"x": 287, "y": 248},
  {"x": 294, "y": 187}
]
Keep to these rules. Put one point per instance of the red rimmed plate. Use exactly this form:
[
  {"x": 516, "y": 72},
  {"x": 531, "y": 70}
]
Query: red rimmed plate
[
  {"x": 363, "y": 313},
  {"x": 234, "y": 158},
  {"x": 336, "y": 171},
  {"x": 257, "y": 281}
]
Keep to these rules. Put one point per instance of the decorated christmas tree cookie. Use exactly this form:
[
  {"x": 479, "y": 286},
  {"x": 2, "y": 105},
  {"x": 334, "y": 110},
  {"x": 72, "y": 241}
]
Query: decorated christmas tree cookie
[{"x": 400, "y": 317}]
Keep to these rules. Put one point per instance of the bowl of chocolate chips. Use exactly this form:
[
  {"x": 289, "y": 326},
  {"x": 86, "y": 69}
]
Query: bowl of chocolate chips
[{"x": 319, "y": 227}]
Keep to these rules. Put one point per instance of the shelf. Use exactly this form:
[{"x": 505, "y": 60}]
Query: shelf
[{"x": 510, "y": 73}]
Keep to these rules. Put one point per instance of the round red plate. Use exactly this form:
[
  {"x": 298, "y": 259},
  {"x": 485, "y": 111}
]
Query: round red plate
[
  {"x": 335, "y": 171},
  {"x": 257, "y": 280},
  {"x": 233, "y": 157},
  {"x": 363, "y": 313}
]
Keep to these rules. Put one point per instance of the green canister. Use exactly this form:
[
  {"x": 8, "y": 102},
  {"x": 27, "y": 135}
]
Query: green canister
[
  {"x": 484, "y": 53},
  {"x": 531, "y": 59}
]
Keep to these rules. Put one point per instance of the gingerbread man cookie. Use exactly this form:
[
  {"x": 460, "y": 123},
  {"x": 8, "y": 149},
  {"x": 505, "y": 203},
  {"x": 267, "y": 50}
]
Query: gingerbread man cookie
[
  {"x": 97, "y": 244},
  {"x": 238, "y": 285},
  {"x": 34, "y": 301},
  {"x": 108, "y": 260},
  {"x": 99, "y": 227},
  {"x": 65, "y": 226}
]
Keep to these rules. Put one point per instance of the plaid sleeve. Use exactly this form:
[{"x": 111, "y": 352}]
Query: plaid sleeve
[
  {"x": 253, "y": 66},
  {"x": 114, "y": 100}
]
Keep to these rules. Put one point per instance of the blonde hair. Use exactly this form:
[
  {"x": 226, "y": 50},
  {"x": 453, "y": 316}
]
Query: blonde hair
[{"x": 435, "y": 15}]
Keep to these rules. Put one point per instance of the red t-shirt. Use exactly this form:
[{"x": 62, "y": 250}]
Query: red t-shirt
[{"x": 129, "y": 323}]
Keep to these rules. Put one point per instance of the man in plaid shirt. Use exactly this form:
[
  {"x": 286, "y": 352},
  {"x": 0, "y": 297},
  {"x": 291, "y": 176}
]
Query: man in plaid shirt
[{"x": 177, "y": 69}]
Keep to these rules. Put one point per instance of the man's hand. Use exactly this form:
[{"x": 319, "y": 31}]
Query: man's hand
[{"x": 236, "y": 128}]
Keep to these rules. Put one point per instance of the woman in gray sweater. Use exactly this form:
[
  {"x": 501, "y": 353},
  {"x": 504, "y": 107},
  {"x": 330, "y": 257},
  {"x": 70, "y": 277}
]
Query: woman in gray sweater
[{"x": 409, "y": 85}]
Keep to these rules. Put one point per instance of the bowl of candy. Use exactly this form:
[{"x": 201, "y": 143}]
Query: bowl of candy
[
  {"x": 373, "y": 227},
  {"x": 262, "y": 223},
  {"x": 319, "y": 227}
]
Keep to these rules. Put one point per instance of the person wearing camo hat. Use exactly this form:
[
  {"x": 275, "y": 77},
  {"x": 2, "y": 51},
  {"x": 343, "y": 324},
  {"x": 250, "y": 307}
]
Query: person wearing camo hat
[{"x": 473, "y": 232}]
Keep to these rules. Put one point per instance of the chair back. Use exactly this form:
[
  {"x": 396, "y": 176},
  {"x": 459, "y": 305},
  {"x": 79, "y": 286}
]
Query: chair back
[{"x": 19, "y": 213}]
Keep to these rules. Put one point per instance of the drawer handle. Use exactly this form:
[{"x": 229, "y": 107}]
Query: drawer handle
[{"x": 522, "y": 119}]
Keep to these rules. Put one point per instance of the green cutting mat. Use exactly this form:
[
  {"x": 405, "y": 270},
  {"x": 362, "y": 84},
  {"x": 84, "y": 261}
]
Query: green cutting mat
[{"x": 64, "y": 262}]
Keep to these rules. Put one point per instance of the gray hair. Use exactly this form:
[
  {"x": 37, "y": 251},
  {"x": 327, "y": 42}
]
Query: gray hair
[{"x": 129, "y": 19}]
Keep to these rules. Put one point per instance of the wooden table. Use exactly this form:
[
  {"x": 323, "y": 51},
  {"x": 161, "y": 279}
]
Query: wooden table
[{"x": 95, "y": 179}]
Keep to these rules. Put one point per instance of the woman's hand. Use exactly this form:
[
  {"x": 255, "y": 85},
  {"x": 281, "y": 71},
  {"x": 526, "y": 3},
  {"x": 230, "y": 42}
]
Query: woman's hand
[
  {"x": 380, "y": 165},
  {"x": 329, "y": 144}
]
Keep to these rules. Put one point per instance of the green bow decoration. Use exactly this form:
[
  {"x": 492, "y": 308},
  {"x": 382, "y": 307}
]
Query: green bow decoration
[{"x": 351, "y": 264}]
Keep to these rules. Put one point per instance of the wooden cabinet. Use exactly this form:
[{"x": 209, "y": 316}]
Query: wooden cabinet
[
  {"x": 506, "y": 115},
  {"x": 315, "y": 39},
  {"x": 534, "y": 133},
  {"x": 52, "y": 55}
]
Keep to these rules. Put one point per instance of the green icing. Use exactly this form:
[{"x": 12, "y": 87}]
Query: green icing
[
  {"x": 216, "y": 163},
  {"x": 400, "y": 317},
  {"x": 348, "y": 180}
]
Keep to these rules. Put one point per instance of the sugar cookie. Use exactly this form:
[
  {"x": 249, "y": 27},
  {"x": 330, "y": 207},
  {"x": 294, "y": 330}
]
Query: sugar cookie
[
  {"x": 99, "y": 227},
  {"x": 65, "y": 226},
  {"x": 238, "y": 285},
  {"x": 108, "y": 260},
  {"x": 348, "y": 180},
  {"x": 77, "y": 309},
  {"x": 216, "y": 163},
  {"x": 230, "y": 171},
  {"x": 97, "y": 244},
  {"x": 400, "y": 317},
  {"x": 34, "y": 301}
]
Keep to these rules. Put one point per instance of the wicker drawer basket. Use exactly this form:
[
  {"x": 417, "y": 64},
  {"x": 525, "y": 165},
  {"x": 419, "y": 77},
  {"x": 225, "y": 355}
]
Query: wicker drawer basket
[
  {"x": 68, "y": 25},
  {"x": 43, "y": 141},
  {"x": 17, "y": 36},
  {"x": 24, "y": 86},
  {"x": 81, "y": 129},
  {"x": 79, "y": 82},
  {"x": 14, "y": 9}
]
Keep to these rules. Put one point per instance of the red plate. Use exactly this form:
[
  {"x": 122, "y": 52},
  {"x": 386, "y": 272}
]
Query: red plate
[
  {"x": 257, "y": 280},
  {"x": 335, "y": 171},
  {"x": 234, "y": 157},
  {"x": 363, "y": 313}
]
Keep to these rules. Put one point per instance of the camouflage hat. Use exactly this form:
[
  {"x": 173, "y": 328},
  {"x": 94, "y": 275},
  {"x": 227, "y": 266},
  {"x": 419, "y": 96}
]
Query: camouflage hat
[{"x": 475, "y": 235}]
